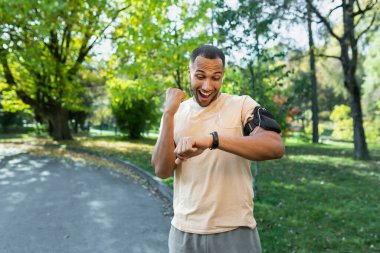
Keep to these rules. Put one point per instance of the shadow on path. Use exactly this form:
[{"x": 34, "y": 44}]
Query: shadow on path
[{"x": 59, "y": 205}]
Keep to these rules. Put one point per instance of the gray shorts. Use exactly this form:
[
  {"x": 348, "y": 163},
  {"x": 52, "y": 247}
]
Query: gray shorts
[{"x": 240, "y": 240}]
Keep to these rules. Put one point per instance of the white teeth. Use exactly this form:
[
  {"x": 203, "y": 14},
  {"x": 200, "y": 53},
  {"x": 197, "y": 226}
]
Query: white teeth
[{"x": 205, "y": 94}]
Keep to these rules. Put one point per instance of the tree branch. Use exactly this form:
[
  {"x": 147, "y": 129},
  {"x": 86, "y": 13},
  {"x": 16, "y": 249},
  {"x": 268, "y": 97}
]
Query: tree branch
[
  {"x": 297, "y": 58},
  {"x": 358, "y": 5},
  {"x": 7, "y": 71},
  {"x": 358, "y": 21},
  {"x": 368, "y": 27},
  {"x": 67, "y": 47},
  {"x": 324, "y": 21},
  {"x": 335, "y": 8},
  {"x": 107, "y": 26},
  {"x": 362, "y": 11},
  {"x": 83, "y": 51},
  {"x": 53, "y": 45},
  {"x": 329, "y": 56},
  {"x": 11, "y": 81},
  {"x": 61, "y": 47}
]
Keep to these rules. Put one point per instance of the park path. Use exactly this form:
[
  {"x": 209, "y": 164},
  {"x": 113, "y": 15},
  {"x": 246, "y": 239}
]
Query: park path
[{"x": 62, "y": 206}]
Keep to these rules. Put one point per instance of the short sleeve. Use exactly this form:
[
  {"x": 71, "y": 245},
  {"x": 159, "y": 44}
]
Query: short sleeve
[{"x": 247, "y": 108}]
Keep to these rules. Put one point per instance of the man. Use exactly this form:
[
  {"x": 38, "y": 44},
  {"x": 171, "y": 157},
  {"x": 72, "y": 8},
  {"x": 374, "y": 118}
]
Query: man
[{"x": 202, "y": 143}]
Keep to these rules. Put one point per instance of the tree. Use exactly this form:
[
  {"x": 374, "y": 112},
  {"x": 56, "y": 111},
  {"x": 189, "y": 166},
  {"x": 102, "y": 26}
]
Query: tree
[
  {"x": 353, "y": 12},
  {"x": 313, "y": 78},
  {"x": 43, "y": 46},
  {"x": 153, "y": 46},
  {"x": 247, "y": 28},
  {"x": 159, "y": 40},
  {"x": 92, "y": 78}
]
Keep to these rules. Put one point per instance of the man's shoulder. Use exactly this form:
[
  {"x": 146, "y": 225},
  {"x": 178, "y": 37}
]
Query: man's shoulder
[
  {"x": 231, "y": 98},
  {"x": 184, "y": 107},
  {"x": 185, "y": 104}
]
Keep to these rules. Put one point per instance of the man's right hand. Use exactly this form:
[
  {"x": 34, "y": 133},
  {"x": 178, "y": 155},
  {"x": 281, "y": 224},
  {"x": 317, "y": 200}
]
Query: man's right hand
[{"x": 173, "y": 99}]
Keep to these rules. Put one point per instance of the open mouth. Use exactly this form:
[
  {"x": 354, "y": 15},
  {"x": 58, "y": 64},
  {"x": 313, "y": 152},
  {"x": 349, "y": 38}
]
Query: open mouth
[{"x": 204, "y": 95}]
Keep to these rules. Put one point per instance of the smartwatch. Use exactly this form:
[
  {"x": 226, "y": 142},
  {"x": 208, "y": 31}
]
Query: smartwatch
[{"x": 215, "y": 140}]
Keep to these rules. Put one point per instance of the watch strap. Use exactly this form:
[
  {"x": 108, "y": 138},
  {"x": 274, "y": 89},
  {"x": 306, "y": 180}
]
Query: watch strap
[{"x": 215, "y": 140}]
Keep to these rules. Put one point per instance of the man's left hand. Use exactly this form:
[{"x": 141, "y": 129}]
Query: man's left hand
[{"x": 188, "y": 147}]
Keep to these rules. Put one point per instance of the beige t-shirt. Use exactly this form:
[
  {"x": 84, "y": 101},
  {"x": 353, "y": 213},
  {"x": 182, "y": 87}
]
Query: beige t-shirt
[{"x": 213, "y": 191}]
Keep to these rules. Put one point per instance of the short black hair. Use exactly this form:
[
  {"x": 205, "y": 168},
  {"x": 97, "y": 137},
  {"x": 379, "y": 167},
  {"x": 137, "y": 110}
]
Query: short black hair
[{"x": 209, "y": 52}]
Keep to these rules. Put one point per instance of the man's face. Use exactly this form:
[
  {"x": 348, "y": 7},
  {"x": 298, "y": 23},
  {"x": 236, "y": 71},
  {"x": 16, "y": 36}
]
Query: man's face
[{"x": 206, "y": 76}]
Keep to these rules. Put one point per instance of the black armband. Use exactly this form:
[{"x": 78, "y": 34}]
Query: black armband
[{"x": 263, "y": 119}]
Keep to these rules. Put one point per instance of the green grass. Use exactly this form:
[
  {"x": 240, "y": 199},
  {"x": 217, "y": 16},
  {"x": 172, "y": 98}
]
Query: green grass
[
  {"x": 318, "y": 199},
  {"x": 315, "y": 199}
]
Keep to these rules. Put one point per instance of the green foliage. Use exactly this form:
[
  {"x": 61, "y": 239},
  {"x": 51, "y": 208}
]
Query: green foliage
[
  {"x": 262, "y": 69},
  {"x": 160, "y": 39},
  {"x": 371, "y": 86},
  {"x": 309, "y": 129},
  {"x": 342, "y": 129},
  {"x": 102, "y": 117},
  {"x": 8, "y": 119},
  {"x": 11, "y": 103},
  {"x": 43, "y": 48},
  {"x": 134, "y": 105},
  {"x": 152, "y": 42},
  {"x": 234, "y": 81},
  {"x": 372, "y": 124}
]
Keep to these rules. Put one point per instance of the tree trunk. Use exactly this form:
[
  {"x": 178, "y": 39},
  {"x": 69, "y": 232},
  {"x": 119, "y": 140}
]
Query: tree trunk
[
  {"x": 349, "y": 59},
  {"x": 313, "y": 79},
  {"x": 360, "y": 144},
  {"x": 252, "y": 78},
  {"x": 59, "y": 124},
  {"x": 349, "y": 55}
]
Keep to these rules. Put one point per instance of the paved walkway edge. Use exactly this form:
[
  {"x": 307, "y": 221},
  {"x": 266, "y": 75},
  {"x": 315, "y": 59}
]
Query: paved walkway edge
[{"x": 161, "y": 188}]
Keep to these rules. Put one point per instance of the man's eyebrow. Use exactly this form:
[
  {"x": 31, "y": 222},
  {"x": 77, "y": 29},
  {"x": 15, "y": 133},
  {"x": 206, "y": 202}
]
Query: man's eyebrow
[{"x": 203, "y": 72}]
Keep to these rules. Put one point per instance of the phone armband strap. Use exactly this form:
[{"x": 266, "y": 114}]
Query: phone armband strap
[{"x": 262, "y": 118}]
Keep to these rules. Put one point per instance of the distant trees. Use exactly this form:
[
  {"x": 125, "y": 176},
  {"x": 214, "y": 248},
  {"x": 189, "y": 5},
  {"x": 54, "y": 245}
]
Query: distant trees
[
  {"x": 250, "y": 26},
  {"x": 152, "y": 53},
  {"x": 353, "y": 12},
  {"x": 47, "y": 63},
  {"x": 247, "y": 29},
  {"x": 134, "y": 105},
  {"x": 42, "y": 49}
]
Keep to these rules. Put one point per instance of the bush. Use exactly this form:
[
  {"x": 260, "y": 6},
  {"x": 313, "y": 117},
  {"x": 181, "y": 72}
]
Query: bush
[
  {"x": 134, "y": 105},
  {"x": 342, "y": 123},
  {"x": 140, "y": 116}
]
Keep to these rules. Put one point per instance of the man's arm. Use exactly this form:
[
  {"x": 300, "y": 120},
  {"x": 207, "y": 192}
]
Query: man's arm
[
  {"x": 163, "y": 157},
  {"x": 259, "y": 145}
]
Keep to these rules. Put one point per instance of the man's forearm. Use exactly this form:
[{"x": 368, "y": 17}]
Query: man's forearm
[
  {"x": 264, "y": 145},
  {"x": 163, "y": 156}
]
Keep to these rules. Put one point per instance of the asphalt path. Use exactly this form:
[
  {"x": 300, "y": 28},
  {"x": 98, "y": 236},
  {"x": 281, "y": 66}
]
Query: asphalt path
[{"x": 62, "y": 206}]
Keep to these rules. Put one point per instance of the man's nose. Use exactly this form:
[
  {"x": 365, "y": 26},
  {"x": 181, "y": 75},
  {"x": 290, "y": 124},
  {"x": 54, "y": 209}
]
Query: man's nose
[{"x": 206, "y": 85}]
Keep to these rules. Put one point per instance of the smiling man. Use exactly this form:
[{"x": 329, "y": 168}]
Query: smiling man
[{"x": 207, "y": 142}]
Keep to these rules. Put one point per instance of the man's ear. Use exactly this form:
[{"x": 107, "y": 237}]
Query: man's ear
[{"x": 189, "y": 71}]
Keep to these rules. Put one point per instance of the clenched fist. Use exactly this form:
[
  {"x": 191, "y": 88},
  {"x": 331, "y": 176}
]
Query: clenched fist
[{"x": 173, "y": 99}]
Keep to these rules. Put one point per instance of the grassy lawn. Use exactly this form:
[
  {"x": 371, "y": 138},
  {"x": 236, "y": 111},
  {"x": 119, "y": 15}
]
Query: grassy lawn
[{"x": 316, "y": 199}]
